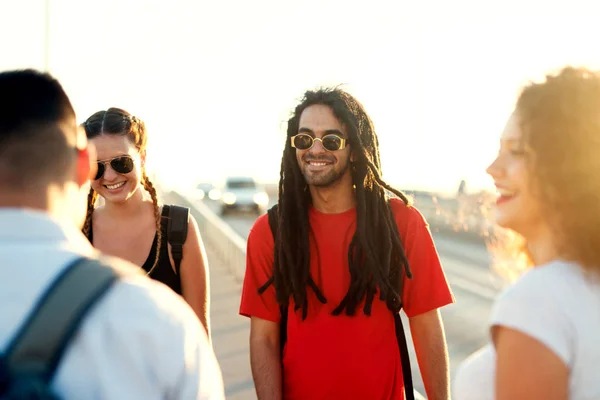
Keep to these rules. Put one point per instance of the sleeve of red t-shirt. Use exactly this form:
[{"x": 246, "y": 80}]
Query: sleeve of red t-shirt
[
  {"x": 259, "y": 269},
  {"x": 428, "y": 289}
]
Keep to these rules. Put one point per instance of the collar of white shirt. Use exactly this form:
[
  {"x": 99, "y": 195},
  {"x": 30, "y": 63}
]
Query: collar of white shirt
[{"x": 21, "y": 224}]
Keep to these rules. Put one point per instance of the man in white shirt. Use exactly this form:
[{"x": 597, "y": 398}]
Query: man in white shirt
[{"x": 141, "y": 341}]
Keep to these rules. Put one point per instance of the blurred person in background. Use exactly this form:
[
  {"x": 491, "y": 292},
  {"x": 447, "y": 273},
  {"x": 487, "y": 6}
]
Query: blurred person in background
[
  {"x": 132, "y": 224},
  {"x": 328, "y": 269},
  {"x": 545, "y": 328},
  {"x": 139, "y": 340}
]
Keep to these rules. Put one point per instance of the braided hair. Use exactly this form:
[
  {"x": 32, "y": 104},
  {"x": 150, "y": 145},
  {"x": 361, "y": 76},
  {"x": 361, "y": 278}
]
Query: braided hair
[
  {"x": 115, "y": 121},
  {"x": 376, "y": 257}
]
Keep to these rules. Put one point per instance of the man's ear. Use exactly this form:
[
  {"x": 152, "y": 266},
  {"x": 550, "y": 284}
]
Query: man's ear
[{"x": 86, "y": 164}]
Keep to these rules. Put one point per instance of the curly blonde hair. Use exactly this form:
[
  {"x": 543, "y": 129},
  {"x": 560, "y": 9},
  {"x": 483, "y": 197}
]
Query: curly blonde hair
[{"x": 560, "y": 126}]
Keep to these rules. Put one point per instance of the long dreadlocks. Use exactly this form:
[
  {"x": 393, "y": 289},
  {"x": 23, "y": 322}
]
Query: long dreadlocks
[{"x": 376, "y": 256}]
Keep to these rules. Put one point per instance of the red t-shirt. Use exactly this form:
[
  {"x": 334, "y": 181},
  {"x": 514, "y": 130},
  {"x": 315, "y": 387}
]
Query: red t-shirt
[{"x": 342, "y": 357}]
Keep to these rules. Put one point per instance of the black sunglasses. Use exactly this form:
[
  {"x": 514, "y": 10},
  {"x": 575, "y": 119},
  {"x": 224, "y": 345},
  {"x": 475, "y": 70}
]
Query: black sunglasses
[
  {"x": 121, "y": 165},
  {"x": 330, "y": 142}
]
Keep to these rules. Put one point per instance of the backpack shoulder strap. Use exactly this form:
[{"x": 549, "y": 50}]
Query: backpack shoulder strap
[
  {"x": 38, "y": 346},
  {"x": 177, "y": 228},
  {"x": 403, "y": 349},
  {"x": 272, "y": 216},
  {"x": 404, "y": 358}
]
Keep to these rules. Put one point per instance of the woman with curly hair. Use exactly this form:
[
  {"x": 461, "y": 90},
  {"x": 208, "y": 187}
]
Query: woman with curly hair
[{"x": 545, "y": 328}]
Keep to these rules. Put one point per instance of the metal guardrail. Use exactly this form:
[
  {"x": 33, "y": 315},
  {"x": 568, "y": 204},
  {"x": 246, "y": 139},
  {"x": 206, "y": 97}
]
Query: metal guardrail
[{"x": 217, "y": 234}]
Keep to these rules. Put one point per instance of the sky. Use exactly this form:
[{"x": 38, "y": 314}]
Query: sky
[{"x": 215, "y": 82}]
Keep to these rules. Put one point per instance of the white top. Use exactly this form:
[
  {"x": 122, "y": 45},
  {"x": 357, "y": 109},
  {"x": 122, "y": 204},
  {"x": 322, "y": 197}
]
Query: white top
[
  {"x": 558, "y": 305},
  {"x": 142, "y": 341}
]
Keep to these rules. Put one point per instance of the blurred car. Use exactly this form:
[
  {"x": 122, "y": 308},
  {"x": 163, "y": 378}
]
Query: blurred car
[
  {"x": 206, "y": 191},
  {"x": 243, "y": 193}
]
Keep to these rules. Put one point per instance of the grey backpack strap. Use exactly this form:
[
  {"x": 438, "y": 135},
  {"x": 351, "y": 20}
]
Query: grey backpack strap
[{"x": 40, "y": 343}]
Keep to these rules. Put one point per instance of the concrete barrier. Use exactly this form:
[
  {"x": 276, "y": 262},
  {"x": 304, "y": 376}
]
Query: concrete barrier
[{"x": 217, "y": 234}]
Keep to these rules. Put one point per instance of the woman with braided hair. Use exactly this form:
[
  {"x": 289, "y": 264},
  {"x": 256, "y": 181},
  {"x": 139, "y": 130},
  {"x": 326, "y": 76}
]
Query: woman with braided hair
[
  {"x": 341, "y": 262},
  {"x": 132, "y": 225}
]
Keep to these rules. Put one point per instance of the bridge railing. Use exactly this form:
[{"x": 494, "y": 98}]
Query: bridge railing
[{"x": 217, "y": 234}]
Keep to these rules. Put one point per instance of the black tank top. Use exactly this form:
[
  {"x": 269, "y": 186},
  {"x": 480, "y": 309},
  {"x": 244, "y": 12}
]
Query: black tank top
[{"x": 164, "y": 271}]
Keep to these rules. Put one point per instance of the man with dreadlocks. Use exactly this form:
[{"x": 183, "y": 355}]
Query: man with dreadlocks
[{"x": 333, "y": 280}]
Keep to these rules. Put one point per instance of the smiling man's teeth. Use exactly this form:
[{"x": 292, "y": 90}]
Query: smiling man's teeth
[
  {"x": 115, "y": 186},
  {"x": 318, "y": 164}
]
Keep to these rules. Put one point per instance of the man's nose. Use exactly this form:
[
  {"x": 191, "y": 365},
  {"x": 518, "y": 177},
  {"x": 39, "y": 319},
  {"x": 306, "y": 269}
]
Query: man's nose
[{"x": 317, "y": 147}]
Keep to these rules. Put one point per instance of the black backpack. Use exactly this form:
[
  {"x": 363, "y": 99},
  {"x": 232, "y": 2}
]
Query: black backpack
[
  {"x": 177, "y": 227},
  {"x": 30, "y": 361},
  {"x": 400, "y": 336}
]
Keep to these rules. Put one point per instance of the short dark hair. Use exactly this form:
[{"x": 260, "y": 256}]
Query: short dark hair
[{"x": 34, "y": 146}]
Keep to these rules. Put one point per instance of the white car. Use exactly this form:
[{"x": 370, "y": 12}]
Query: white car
[
  {"x": 243, "y": 193},
  {"x": 206, "y": 191}
]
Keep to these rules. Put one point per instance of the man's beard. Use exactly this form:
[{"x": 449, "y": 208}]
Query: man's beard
[{"x": 324, "y": 179}]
